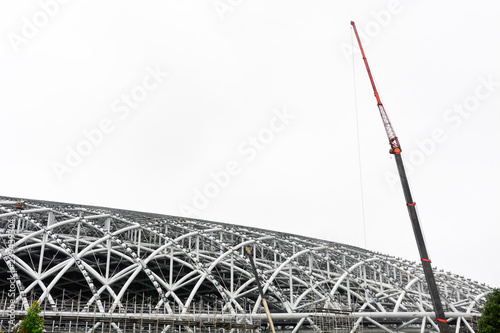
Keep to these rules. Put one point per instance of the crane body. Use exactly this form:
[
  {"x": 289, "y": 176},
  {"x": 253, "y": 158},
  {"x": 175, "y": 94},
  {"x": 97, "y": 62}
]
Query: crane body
[{"x": 410, "y": 204}]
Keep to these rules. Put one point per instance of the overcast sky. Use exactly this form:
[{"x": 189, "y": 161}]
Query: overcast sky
[{"x": 247, "y": 112}]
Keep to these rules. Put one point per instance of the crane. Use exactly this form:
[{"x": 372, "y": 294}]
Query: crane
[{"x": 410, "y": 204}]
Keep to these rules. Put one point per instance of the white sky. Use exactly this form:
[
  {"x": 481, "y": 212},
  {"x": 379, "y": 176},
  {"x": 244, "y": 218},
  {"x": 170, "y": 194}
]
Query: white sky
[{"x": 232, "y": 66}]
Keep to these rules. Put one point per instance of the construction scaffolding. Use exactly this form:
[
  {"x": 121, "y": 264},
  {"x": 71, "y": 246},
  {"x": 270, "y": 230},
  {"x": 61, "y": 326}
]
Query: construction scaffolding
[
  {"x": 330, "y": 320},
  {"x": 78, "y": 317}
]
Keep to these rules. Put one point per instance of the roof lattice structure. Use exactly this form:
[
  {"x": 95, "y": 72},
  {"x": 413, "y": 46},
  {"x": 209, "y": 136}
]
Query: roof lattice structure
[{"x": 101, "y": 267}]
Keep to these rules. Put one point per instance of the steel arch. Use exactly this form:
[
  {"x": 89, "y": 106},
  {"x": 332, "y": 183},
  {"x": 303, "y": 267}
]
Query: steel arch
[{"x": 179, "y": 267}]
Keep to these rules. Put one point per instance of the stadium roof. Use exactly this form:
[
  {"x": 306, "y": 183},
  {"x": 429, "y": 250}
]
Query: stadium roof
[{"x": 79, "y": 261}]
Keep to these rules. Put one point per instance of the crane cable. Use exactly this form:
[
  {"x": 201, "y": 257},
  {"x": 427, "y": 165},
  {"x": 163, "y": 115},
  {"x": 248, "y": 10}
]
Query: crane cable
[{"x": 357, "y": 133}]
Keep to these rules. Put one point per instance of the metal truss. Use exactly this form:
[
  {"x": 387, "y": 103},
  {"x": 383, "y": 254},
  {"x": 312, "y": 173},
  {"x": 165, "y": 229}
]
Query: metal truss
[{"x": 102, "y": 267}]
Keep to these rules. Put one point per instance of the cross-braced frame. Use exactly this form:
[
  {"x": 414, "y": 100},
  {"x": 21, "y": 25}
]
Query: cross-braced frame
[{"x": 99, "y": 269}]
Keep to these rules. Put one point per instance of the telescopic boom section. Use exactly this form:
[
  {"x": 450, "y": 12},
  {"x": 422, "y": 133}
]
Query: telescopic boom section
[
  {"x": 391, "y": 135},
  {"x": 412, "y": 211}
]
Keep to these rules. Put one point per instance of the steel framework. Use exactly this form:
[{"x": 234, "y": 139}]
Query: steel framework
[{"x": 102, "y": 269}]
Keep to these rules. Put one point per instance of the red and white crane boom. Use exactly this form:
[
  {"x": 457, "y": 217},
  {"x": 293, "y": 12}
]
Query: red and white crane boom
[{"x": 410, "y": 204}]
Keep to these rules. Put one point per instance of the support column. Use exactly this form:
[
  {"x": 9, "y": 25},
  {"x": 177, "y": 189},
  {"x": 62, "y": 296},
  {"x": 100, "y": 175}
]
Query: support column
[
  {"x": 50, "y": 221},
  {"x": 232, "y": 274},
  {"x": 171, "y": 273},
  {"x": 77, "y": 243},
  {"x": 107, "y": 227},
  {"x": 139, "y": 236}
]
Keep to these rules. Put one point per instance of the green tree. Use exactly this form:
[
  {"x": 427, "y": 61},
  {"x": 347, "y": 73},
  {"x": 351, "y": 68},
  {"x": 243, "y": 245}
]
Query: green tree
[
  {"x": 490, "y": 317},
  {"x": 32, "y": 323}
]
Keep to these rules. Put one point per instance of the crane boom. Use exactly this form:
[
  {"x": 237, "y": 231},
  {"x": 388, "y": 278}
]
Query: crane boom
[{"x": 410, "y": 204}]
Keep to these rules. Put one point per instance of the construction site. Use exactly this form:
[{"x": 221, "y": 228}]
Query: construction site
[{"x": 96, "y": 269}]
